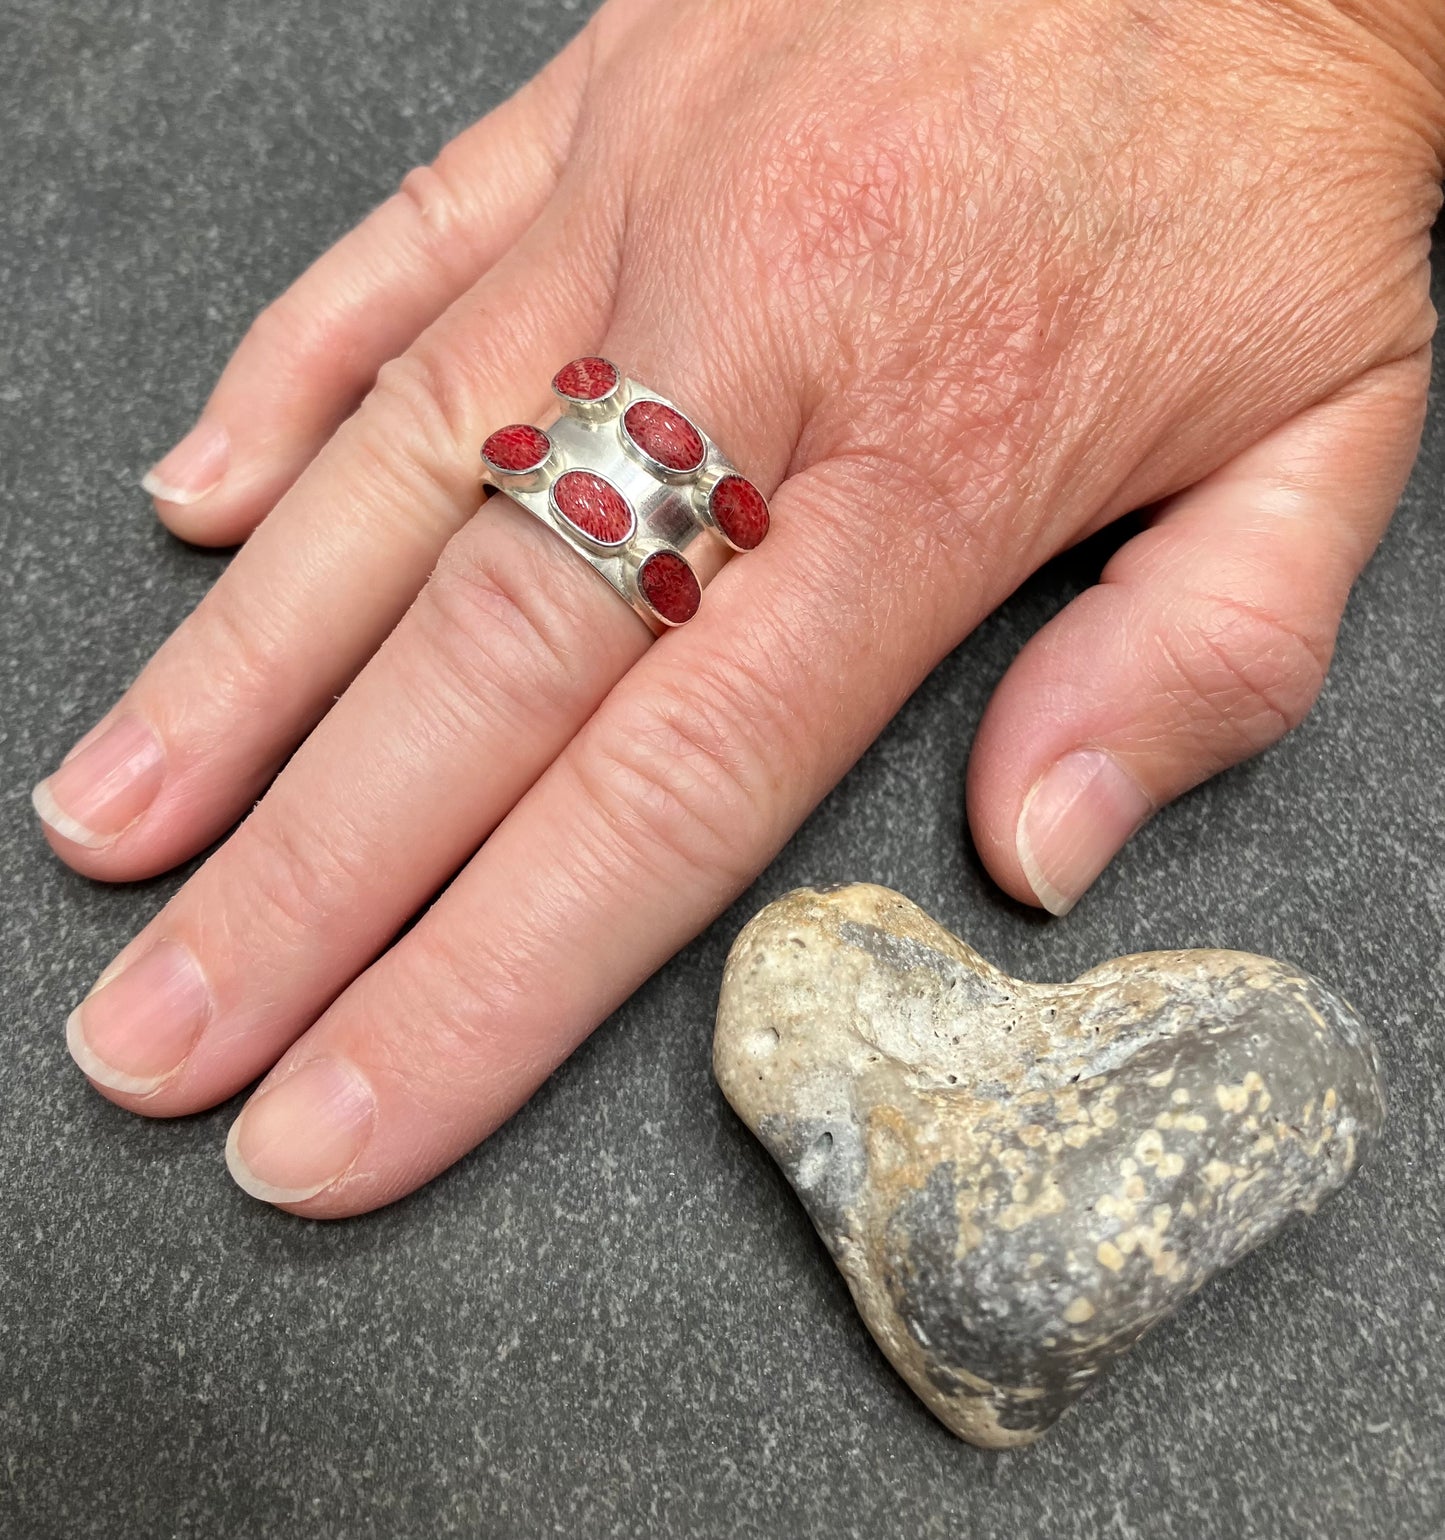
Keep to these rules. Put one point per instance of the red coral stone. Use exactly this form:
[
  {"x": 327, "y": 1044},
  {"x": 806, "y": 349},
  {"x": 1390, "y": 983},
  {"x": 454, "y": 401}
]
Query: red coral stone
[
  {"x": 670, "y": 586},
  {"x": 586, "y": 379},
  {"x": 594, "y": 506},
  {"x": 520, "y": 447},
  {"x": 667, "y": 436},
  {"x": 741, "y": 511}
]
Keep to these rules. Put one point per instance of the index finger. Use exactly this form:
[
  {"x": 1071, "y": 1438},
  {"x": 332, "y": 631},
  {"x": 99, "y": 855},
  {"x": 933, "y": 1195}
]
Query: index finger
[{"x": 322, "y": 582}]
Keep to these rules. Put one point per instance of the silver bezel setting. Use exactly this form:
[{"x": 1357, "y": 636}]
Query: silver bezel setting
[
  {"x": 575, "y": 531},
  {"x": 644, "y": 553},
  {"x": 669, "y": 508},
  {"x": 702, "y": 501},
  {"x": 535, "y": 476},
  {"x": 594, "y": 409},
  {"x": 663, "y": 472}
]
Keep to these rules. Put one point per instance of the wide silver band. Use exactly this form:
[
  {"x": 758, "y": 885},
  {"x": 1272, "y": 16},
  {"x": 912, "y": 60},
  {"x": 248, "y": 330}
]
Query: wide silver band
[{"x": 673, "y": 508}]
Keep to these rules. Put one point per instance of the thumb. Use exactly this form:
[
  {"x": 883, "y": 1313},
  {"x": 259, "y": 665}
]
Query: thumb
[{"x": 1206, "y": 639}]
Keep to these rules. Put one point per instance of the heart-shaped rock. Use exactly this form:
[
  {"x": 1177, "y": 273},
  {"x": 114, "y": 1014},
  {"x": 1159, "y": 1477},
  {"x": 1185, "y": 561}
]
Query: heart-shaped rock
[{"x": 1018, "y": 1180}]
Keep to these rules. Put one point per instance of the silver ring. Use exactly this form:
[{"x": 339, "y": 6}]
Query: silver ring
[{"x": 633, "y": 485}]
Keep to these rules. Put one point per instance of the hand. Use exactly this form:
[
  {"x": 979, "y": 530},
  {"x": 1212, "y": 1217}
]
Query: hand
[{"x": 959, "y": 284}]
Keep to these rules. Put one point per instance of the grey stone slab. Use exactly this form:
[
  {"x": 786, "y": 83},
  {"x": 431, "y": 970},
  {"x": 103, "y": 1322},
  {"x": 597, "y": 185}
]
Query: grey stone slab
[{"x": 612, "y": 1321}]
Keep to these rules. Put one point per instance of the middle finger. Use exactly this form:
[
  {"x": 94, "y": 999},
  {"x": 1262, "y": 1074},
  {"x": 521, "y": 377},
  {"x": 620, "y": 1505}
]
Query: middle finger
[{"x": 508, "y": 650}]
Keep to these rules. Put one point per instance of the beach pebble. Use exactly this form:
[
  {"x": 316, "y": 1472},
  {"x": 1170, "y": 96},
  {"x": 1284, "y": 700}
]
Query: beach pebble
[{"x": 1018, "y": 1180}]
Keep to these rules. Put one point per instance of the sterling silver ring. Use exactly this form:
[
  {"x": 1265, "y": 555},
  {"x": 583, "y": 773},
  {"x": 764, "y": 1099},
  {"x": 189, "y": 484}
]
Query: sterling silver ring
[{"x": 633, "y": 485}]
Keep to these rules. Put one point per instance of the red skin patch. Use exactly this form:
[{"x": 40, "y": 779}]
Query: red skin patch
[
  {"x": 517, "y": 448},
  {"x": 586, "y": 379},
  {"x": 594, "y": 506},
  {"x": 667, "y": 436},
  {"x": 740, "y": 510},
  {"x": 670, "y": 586}
]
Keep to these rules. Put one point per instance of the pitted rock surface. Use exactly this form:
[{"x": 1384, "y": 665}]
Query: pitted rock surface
[{"x": 1018, "y": 1180}]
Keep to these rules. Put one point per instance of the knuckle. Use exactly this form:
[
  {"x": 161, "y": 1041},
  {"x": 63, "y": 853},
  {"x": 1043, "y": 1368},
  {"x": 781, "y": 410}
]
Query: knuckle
[
  {"x": 426, "y": 191},
  {"x": 471, "y": 995},
  {"x": 405, "y": 468},
  {"x": 424, "y": 399},
  {"x": 437, "y": 210},
  {"x": 494, "y": 622},
  {"x": 295, "y": 884},
  {"x": 409, "y": 453},
  {"x": 1419, "y": 319},
  {"x": 1247, "y": 671},
  {"x": 677, "y": 779},
  {"x": 282, "y": 327},
  {"x": 242, "y": 648},
  {"x": 302, "y": 325},
  {"x": 467, "y": 994}
]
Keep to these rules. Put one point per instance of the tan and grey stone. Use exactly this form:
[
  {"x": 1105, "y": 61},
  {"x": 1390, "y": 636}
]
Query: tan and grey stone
[{"x": 1018, "y": 1180}]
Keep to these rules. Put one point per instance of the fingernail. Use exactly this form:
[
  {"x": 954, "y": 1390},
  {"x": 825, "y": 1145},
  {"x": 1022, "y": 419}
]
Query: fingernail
[
  {"x": 105, "y": 785},
  {"x": 299, "y": 1136},
  {"x": 193, "y": 468},
  {"x": 139, "y": 1025},
  {"x": 1074, "y": 822}
]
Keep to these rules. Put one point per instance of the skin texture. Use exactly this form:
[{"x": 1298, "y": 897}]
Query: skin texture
[{"x": 956, "y": 285}]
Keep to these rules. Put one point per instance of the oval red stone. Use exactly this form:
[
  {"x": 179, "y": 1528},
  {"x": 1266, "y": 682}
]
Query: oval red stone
[
  {"x": 594, "y": 506},
  {"x": 670, "y": 586},
  {"x": 665, "y": 435},
  {"x": 740, "y": 511},
  {"x": 517, "y": 448},
  {"x": 586, "y": 379}
]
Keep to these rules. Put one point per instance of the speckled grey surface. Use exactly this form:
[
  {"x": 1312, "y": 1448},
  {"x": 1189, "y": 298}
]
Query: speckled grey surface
[
  {"x": 613, "y": 1320},
  {"x": 1020, "y": 1179}
]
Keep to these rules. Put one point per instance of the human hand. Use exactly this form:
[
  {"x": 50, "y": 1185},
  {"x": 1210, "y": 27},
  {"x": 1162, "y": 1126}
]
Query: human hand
[{"x": 963, "y": 284}]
